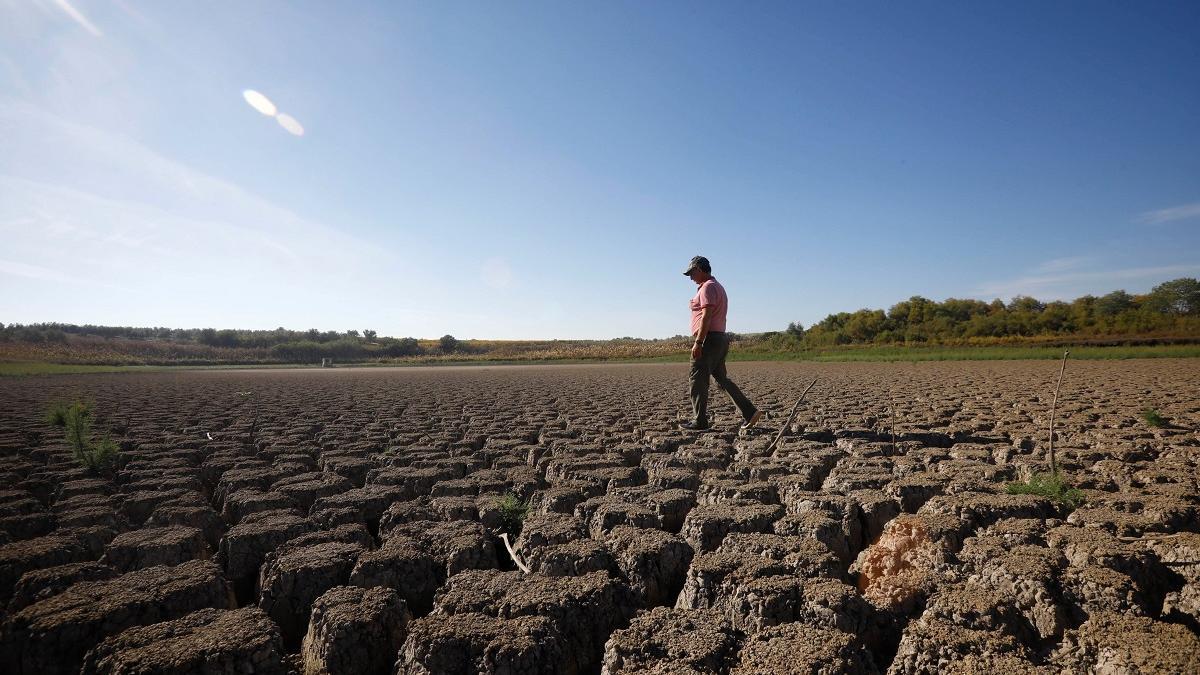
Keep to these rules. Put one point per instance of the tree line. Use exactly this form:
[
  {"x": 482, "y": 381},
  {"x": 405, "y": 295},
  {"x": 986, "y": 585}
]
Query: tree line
[
  {"x": 1170, "y": 309},
  {"x": 281, "y": 343}
]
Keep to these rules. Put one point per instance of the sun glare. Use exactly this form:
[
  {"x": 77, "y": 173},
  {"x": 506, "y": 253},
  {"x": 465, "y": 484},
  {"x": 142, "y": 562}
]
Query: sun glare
[
  {"x": 259, "y": 102},
  {"x": 288, "y": 122},
  {"x": 264, "y": 105}
]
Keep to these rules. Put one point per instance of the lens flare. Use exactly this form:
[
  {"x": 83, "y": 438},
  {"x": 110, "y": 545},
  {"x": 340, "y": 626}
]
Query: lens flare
[
  {"x": 259, "y": 102},
  {"x": 290, "y": 124}
]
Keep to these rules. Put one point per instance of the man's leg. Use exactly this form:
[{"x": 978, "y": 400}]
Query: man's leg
[
  {"x": 698, "y": 389},
  {"x": 725, "y": 384}
]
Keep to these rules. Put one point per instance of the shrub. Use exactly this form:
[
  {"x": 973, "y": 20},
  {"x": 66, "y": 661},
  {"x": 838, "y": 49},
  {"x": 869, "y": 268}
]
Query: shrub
[
  {"x": 512, "y": 513},
  {"x": 402, "y": 347},
  {"x": 1052, "y": 487},
  {"x": 1153, "y": 418},
  {"x": 76, "y": 421},
  {"x": 56, "y": 415},
  {"x": 78, "y": 424},
  {"x": 100, "y": 456}
]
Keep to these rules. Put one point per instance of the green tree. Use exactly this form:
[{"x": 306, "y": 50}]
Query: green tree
[
  {"x": 1024, "y": 303},
  {"x": 1114, "y": 303},
  {"x": 448, "y": 344},
  {"x": 1180, "y": 296}
]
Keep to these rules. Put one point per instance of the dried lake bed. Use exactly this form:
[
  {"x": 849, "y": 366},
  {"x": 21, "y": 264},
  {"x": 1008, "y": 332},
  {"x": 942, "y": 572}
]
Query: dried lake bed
[{"x": 348, "y": 520}]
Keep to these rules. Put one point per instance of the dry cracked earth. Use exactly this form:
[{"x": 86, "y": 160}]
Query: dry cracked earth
[{"x": 347, "y": 521}]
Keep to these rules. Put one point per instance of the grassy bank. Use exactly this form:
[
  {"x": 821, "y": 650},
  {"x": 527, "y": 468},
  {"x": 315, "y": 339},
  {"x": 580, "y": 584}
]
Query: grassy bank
[
  {"x": 12, "y": 368},
  {"x": 826, "y": 355},
  {"x": 842, "y": 354}
]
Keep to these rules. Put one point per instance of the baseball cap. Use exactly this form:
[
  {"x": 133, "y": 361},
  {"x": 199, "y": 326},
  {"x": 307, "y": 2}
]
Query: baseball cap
[{"x": 698, "y": 261}]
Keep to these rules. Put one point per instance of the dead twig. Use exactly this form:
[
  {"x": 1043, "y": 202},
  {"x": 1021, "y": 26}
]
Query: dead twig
[
  {"x": 1151, "y": 535},
  {"x": 1053, "y": 407},
  {"x": 513, "y": 554},
  {"x": 892, "y": 399},
  {"x": 791, "y": 416}
]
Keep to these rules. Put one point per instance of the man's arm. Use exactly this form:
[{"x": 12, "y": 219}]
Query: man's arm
[{"x": 706, "y": 315}]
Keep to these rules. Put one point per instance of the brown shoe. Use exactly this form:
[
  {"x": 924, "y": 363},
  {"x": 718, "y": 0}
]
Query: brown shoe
[{"x": 753, "y": 420}]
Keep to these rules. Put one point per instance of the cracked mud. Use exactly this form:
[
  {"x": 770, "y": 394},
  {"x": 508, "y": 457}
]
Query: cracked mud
[{"x": 347, "y": 521}]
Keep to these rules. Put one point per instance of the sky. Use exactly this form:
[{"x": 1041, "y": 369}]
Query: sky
[{"x": 546, "y": 170}]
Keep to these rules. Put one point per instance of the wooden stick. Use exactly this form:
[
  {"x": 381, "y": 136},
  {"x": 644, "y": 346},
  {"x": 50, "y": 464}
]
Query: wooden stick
[
  {"x": 892, "y": 400},
  {"x": 791, "y": 416},
  {"x": 1053, "y": 406},
  {"x": 513, "y": 554}
]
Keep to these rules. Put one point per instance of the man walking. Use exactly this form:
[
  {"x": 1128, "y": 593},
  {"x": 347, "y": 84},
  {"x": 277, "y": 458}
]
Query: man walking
[{"x": 709, "y": 308}]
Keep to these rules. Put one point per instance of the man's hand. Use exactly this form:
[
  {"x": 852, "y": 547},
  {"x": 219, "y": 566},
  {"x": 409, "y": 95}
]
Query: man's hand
[{"x": 697, "y": 350}]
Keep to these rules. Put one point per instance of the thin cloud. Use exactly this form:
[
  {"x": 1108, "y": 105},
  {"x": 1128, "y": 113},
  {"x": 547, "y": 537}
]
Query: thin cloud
[
  {"x": 174, "y": 189},
  {"x": 40, "y": 273},
  {"x": 36, "y": 272},
  {"x": 1183, "y": 212},
  {"x": 1066, "y": 285},
  {"x": 1063, "y": 264},
  {"x": 78, "y": 17},
  {"x": 181, "y": 246}
]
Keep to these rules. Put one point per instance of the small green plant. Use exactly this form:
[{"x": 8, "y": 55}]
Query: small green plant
[
  {"x": 1052, "y": 487},
  {"x": 75, "y": 419},
  {"x": 1154, "y": 419},
  {"x": 512, "y": 513},
  {"x": 77, "y": 422},
  {"x": 100, "y": 456},
  {"x": 56, "y": 414}
]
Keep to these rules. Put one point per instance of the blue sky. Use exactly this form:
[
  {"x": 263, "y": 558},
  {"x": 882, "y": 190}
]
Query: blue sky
[{"x": 545, "y": 170}]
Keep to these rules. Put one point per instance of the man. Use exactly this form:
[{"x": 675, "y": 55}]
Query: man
[{"x": 709, "y": 308}]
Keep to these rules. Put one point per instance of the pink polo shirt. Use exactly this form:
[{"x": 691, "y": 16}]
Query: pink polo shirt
[{"x": 710, "y": 294}]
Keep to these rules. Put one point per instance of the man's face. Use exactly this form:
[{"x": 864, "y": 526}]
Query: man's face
[{"x": 697, "y": 275}]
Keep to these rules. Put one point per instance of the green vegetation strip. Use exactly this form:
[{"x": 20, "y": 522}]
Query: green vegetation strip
[
  {"x": 969, "y": 353},
  {"x": 11, "y": 368},
  {"x": 828, "y": 355}
]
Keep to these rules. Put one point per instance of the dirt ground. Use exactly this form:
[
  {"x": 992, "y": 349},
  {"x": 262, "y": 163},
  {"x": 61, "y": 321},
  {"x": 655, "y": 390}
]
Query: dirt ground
[{"x": 349, "y": 521}]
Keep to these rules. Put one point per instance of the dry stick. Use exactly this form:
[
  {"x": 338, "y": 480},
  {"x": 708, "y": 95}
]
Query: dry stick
[
  {"x": 892, "y": 398},
  {"x": 1053, "y": 406},
  {"x": 513, "y": 554},
  {"x": 788, "y": 423}
]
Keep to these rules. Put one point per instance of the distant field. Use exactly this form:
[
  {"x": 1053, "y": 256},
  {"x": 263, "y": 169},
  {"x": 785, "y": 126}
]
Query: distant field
[
  {"x": 36, "y": 368},
  {"x": 972, "y": 353},
  {"x": 830, "y": 355}
]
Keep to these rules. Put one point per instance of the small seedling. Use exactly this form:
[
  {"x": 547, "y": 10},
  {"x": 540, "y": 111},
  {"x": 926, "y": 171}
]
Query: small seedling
[
  {"x": 77, "y": 422},
  {"x": 56, "y": 414},
  {"x": 100, "y": 456},
  {"x": 512, "y": 513},
  {"x": 1154, "y": 419},
  {"x": 1052, "y": 487},
  {"x": 75, "y": 419}
]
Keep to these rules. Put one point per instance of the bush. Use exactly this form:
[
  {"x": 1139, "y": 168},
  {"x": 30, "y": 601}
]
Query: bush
[
  {"x": 78, "y": 425},
  {"x": 402, "y": 347},
  {"x": 56, "y": 415},
  {"x": 1052, "y": 487},
  {"x": 448, "y": 344},
  {"x": 512, "y": 513},
  {"x": 100, "y": 456},
  {"x": 1153, "y": 418},
  {"x": 76, "y": 421}
]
